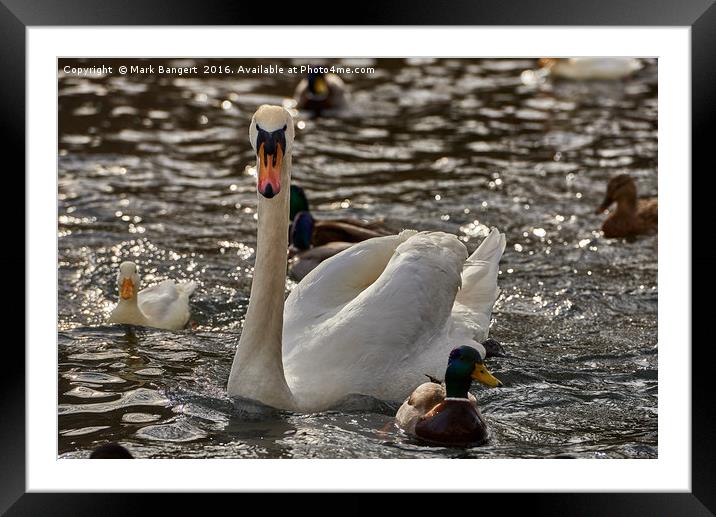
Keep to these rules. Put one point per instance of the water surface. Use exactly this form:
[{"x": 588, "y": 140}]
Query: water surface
[{"x": 154, "y": 169}]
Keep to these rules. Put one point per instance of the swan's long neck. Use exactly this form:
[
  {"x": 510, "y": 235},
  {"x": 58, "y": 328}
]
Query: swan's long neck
[{"x": 257, "y": 371}]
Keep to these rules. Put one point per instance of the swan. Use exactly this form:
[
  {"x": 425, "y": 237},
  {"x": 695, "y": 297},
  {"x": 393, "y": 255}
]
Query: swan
[
  {"x": 320, "y": 91},
  {"x": 163, "y": 306},
  {"x": 372, "y": 320},
  {"x": 633, "y": 216},
  {"x": 591, "y": 67},
  {"x": 448, "y": 414}
]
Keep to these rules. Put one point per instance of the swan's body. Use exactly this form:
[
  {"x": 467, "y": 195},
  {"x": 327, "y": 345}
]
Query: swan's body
[
  {"x": 371, "y": 320},
  {"x": 382, "y": 314},
  {"x": 431, "y": 415},
  {"x": 585, "y": 68},
  {"x": 633, "y": 216},
  {"x": 164, "y": 306},
  {"x": 319, "y": 91}
]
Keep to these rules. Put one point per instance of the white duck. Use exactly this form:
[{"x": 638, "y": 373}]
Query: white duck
[
  {"x": 164, "y": 306},
  {"x": 591, "y": 67},
  {"x": 371, "y": 320}
]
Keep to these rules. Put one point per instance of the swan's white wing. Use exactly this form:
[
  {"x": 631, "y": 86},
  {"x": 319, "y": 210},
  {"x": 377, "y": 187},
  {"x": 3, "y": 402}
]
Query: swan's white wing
[
  {"x": 166, "y": 305},
  {"x": 474, "y": 302},
  {"x": 335, "y": 282},
  {"x": 374, "y": 324}
]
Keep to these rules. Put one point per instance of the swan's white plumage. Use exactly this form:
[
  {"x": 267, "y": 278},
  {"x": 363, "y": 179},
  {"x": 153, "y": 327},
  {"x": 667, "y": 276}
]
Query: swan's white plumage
[
  {"x": 474, "y": 302},
  {"x": 377, "y": 317}
]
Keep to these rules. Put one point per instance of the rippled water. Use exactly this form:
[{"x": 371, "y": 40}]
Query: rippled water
[{"x": 152, "y": 169}]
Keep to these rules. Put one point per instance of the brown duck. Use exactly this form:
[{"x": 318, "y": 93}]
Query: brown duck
[{"x": 632, "y": 216}]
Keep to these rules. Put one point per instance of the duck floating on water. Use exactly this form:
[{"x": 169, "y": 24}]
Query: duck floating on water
[
  {"x": 346, "y": 229},
  {"x": 164, "y": 306},
  {"x": 448, "y": 414},
  {"x": 313, "y": 241},
  {"x": 320, "y": 91},
  {"x": 633, "y": 216},
  {"x": 586, "y": 68}
]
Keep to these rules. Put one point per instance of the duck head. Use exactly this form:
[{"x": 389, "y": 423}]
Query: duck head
[
  {"x": 302, "y": 231},
  {"x": 128, "y": 280},
  {"x": 317, "y": 85},
  {"x": 271, "y": 134},
  {"x": 299, "y": 202},
  {"x": 619, "y": 188},
  {"x": 465, "y": 364}
]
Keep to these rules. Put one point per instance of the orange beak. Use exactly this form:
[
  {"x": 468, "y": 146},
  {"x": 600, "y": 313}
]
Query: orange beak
[
  {"x": 127, "y": 289},
  {"x": 269, "y": 180}
]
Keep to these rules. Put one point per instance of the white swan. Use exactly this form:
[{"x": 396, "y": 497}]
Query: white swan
[
  {"x": 164, "y": 306},
  {"x": 372, "y": 320},
  {"x": 591, "y": 67}
]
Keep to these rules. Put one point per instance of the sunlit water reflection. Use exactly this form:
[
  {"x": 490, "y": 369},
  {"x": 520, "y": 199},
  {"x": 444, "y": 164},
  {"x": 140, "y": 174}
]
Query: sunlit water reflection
[{"x": 153, "y": 169}]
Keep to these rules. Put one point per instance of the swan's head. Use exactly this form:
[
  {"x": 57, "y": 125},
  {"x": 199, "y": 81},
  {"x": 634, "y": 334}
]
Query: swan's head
[
  {"x": 619, "y": 187},
  {"x": 302, "y": 230},
  {"x": 271, "y": 135},
  {"x": 317, "y": 85},
  {"x": 127, "y": 280},
  {"x": 465, "y": 364}
]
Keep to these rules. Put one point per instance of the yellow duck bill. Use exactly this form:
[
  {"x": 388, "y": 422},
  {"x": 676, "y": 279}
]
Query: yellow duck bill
[{"x": 481, "y": 374}]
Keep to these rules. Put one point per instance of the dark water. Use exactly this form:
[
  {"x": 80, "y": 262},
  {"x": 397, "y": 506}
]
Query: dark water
[{"x": 152, "y": 168}]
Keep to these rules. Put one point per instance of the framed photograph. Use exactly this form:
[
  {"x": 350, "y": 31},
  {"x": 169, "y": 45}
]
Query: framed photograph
[{"x": 310, "y": 258}]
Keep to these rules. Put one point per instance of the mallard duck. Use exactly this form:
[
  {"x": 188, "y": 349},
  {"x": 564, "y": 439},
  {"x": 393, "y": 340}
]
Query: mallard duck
[
  {"x": 320, "y": 91},
  {"x": 633, "y": 216},
  {"x": 322, "y": 231},
  {"x": 360, "y": 317},
  {"x": 312, "y": 242},
  {"x": 303, "y": 262},
  {"x": 164, "y": 306},
  {"x": 591, "y": 67},
  {"x": 306, "y": 231},
  {"x": 448, "y": 414}
]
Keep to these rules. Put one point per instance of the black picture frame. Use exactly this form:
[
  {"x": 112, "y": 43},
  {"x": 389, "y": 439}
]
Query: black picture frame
[{"x": 700, "y": 15}]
